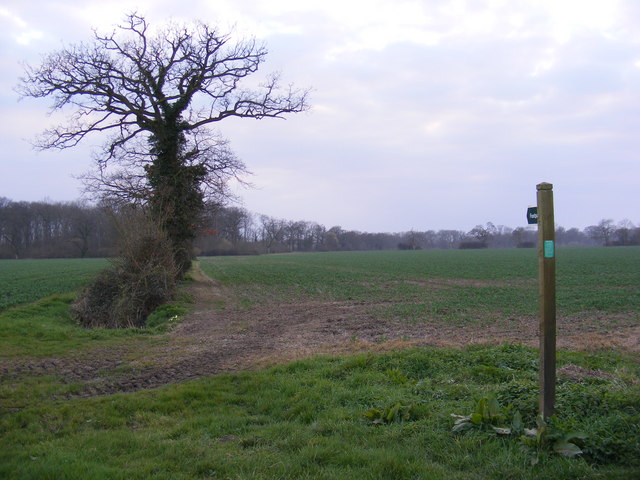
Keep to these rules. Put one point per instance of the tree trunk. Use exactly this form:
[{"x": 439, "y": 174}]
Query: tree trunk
[{"x": 176, "y": 200}]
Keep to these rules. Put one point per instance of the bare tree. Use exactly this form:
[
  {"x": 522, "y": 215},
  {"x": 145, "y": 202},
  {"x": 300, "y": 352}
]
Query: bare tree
[
  {"x": 602, "y": 232},
  {"x": 155, "y": 93},
  {"x": 16, "y": 227},
  {"x": 624, "y": 231},
  {"x": 273, "y": 232},
  {"x": 294, "y": 234},
  {"x": 84, "y": 224},
  {"x": 449, "y": 238},
  {"x": 483, "y": 234}
]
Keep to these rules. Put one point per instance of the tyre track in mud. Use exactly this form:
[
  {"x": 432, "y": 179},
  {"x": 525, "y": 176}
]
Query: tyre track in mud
[{"x": 211, "y": 340}]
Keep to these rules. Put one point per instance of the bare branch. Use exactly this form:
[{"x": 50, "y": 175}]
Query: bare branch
[
  {"x": 152, "y": 95},
  {"x": 135, "y": 78}
]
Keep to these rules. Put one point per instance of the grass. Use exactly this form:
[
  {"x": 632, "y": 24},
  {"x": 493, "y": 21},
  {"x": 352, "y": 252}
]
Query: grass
[
  {"x": 306, "y": 419},
  {"x": 23, "y": 281},
  {"x": 45, "y": 329}
]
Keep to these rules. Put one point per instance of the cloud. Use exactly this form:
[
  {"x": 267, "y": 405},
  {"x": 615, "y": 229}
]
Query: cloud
[
  {"x": 17, "y": 28},
  {"x": 439, "y": 114}
]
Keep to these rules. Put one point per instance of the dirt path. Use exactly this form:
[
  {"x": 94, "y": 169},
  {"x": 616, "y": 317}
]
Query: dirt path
[{"x": 212, "y": 340}]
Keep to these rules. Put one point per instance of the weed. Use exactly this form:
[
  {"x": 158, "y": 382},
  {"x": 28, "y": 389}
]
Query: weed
[
  {"x": 487, "y": 414},
  {"x": 393, "y": 413},
  {"x": 547, "y": 436},
  {"x": 165, "y": 317}
]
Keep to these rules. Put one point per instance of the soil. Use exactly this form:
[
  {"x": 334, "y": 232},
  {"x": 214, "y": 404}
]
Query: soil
[{"x": 214, "y": 339}]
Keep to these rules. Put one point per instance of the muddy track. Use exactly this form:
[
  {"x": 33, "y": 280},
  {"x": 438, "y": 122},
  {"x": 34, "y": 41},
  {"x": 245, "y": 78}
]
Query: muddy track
[{"x": 214, "y": 340}]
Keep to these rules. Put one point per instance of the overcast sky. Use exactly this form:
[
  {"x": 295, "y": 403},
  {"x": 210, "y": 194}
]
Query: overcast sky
[{"x": 430, "y": 114}]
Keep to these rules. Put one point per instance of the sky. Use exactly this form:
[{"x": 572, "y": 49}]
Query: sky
[{"x": 432, "y": 114}]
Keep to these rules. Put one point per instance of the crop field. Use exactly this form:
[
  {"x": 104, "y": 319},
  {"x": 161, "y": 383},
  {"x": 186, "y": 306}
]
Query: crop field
[
  {"x": 23, "y": 281},
  {"x": 456, "y": 286},
  {"x": 340, "y": 365},
  {"x": 431, "y": 283}
]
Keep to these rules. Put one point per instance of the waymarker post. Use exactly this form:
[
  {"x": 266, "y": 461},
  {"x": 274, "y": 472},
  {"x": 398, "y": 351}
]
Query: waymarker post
[{"x": 547, "y": 290}]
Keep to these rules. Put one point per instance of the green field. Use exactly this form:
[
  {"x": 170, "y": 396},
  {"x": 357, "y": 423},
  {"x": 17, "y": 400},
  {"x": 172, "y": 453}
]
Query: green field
[
  {"x": 436, "y": 282},
  {"x": 23, "y": 281},
  {"x": 312, "y": 419},
  {"x": 456, "y": 285}
]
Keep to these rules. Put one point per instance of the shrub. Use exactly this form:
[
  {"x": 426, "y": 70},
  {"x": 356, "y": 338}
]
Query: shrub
[{"x": 141, "y": 279}]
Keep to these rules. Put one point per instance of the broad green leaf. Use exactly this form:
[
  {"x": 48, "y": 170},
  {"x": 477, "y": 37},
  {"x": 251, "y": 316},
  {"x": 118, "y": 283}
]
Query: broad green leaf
[
  {"x": 481, "y": 407},
  {"x": 516, "y": 424},
  {"x": 502, "y": 431},
  {"x": 567, "y": 449},
  {"x": 462, "y": 420},
  {"x": 393, "y": 412},
  {"x": 493, "y": 407},
  {"x": 568, "y": 437},
  {"x": 461, "y": 427},
  {"x": 372, "y": 414}
]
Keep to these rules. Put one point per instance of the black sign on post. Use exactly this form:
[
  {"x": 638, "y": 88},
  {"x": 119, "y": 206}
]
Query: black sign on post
[{"x": 532, "y": 215}]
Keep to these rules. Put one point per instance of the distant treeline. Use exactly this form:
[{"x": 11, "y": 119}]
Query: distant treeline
[
  {"x": 232, "y": 230},
  {"x": 50, "y": 230}
]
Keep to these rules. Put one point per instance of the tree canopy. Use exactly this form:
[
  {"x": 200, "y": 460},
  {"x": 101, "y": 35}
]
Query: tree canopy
[{"x": 155, "y": 92}]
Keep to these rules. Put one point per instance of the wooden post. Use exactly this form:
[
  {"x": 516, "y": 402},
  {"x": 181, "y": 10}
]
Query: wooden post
[{"x": 547, "y": 278}]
